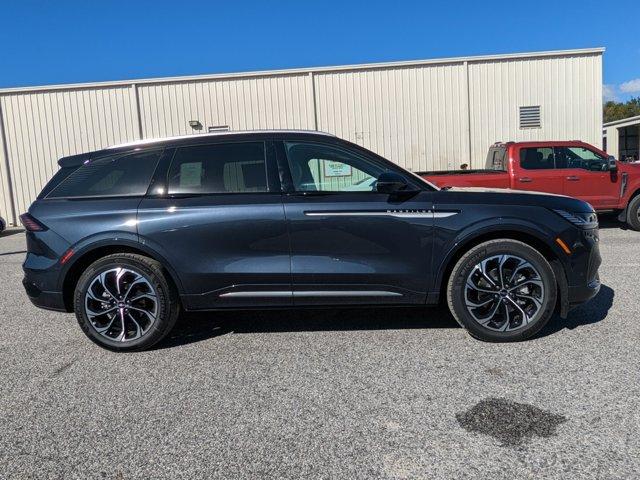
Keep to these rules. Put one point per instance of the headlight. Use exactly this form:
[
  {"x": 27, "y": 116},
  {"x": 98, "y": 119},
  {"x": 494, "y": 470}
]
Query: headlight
[{"x": 587, "y": 220}]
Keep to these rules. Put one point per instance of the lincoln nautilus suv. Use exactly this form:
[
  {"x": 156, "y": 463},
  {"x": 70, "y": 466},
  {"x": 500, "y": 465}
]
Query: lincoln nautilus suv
[{"x": 129, "y": 236}]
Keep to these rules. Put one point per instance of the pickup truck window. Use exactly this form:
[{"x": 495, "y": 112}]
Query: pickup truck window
[
  {"x": 496, "y": 159},
  {"x": 579, "y": 157},
  {"x": 540, "y": 158}
]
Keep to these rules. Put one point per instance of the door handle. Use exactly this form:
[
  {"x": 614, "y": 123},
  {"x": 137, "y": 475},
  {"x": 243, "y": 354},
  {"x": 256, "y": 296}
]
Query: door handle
[
  {"x": 525, "y": 180},
  {"x": 573, "y": 178}
]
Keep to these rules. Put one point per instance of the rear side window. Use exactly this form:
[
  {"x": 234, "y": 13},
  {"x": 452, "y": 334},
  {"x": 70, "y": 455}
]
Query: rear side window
[
  {"x": 219, "y": 168},
  {"x": 57, "y": 179},
  {"x": 124, "y": 175},
  {"x": 540, "y": 158},
  {"x": 496, "y": 158}
]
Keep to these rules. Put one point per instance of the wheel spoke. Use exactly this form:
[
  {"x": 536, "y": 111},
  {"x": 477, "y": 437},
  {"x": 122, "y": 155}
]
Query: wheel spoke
[
  {"x": 137, "y": 281},
  {"x": 138, "y": 328},
  {"x": 529, "y": 281},
  {"x": 507, "y": 317},
  {"x": 107, "y": 327},
  {"x": 151, "y": 316},
  {"x": 102, "y": 280},
  {"x": 530, "y": 297},
  {"x": 94, "y": 313},
  {"x": 144, "y": 295},
  {"x": 525, "y": 316}
]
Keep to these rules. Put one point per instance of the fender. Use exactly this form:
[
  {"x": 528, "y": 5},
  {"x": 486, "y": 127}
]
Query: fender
[
  {"x": 115, "y": 239},
  {"x": 499, "y": 225}
]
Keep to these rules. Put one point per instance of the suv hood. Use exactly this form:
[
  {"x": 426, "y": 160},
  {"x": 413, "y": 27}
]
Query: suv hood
[{"x": 504, "y": 196}]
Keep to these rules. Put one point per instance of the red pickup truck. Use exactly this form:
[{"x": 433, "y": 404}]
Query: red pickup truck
[{"x": 575, "y": 169}]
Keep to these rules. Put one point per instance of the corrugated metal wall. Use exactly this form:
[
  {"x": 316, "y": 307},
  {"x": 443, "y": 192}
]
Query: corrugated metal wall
[
  {"x": 568, "y": 90},
  {"x": 283, "y": 101},
  {"x": 412, "y": 115},
  {"x": 426, "y": 115}
]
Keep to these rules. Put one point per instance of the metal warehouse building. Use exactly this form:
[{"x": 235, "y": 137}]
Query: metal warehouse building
[{"x": 424, "y": 115}]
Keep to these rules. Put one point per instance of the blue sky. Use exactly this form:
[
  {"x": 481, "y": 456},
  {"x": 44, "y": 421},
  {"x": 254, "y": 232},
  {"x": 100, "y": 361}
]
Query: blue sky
[{"x": 50, "y": 42}]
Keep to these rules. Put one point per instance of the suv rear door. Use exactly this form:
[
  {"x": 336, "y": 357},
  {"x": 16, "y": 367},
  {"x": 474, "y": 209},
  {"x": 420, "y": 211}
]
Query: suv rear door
[{"x": 216, "y": 216}]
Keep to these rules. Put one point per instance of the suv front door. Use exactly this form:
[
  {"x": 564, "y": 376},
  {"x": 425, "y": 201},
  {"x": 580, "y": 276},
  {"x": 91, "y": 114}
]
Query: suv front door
[{"x": 349, "y": 243}]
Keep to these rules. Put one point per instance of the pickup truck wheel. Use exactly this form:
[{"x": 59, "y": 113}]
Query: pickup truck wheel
[
  {"x": 633, "y": 213},
  {"x": 502, "y": 291},
  {"x": 124, "y": 302}
]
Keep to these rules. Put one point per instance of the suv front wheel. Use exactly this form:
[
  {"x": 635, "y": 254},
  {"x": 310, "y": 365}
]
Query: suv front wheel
[
  {"x": 125, "y": 302},
  {"x": 502, "y": 291}
]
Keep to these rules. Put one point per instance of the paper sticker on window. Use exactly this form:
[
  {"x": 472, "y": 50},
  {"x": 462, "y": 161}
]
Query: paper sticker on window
[
  {"x": 191, "y": 174},
  {"x": 336, "y": 169}
]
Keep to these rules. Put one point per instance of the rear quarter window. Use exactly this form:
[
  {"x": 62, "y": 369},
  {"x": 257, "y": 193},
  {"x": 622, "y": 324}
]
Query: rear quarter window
[
  {"x": 122, "y": 175},
  {"x": 496, "y": 159}
]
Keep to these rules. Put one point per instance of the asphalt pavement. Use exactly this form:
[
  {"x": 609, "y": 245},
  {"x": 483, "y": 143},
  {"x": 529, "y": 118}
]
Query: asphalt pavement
[{"x": 396, "y": 393}]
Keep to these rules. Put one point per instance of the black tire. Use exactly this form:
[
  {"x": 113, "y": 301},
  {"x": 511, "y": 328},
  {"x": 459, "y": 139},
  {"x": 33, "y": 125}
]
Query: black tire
[
  {"x": 462, "y": 270},
  {"x": 633, "y": 213},
  {"x": 168, "y": 305}
]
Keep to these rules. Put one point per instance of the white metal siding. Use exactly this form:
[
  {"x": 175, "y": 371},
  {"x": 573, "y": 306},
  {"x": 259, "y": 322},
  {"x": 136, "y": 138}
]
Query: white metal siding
[
  {"x": 282, "y": 101},
  {"x": 568, "y": 90},
  {"x": 44, "y": 126},
  {"x": 424, "y": 115},
  {"x": 413, "y": 116}
]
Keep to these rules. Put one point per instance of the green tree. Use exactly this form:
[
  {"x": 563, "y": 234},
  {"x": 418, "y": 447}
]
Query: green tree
[{"x": 619, "y": 110}]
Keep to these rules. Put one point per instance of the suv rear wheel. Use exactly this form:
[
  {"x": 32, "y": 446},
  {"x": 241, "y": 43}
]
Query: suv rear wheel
[
  {"x": 125, "y": 302},
  {"x": 502, "y": 291},
  {"x": 633, "y": 213}
]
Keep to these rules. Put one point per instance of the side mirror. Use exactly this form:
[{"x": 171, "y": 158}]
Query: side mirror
[
  {"x": 613, "y": 165},
  {"x": 390, "y": 182}
]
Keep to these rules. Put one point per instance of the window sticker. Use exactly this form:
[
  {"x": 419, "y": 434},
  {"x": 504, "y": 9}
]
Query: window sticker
[
  {"x": 336, "y": 169},
  {"x": 191, "y": 174}
]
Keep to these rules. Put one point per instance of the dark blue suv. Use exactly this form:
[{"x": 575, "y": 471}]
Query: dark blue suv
[{"x": 129, "y": 236}]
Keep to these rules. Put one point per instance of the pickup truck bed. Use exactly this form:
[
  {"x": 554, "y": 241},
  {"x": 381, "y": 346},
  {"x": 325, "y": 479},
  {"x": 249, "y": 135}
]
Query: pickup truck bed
[{"x": 571, "y": 168}]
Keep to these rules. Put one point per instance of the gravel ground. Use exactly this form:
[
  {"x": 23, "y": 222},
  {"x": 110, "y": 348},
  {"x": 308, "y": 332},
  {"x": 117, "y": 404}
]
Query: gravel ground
[{"x": 366, "y": 393}]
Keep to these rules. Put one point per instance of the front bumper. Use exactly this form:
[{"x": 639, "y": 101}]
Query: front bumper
[
  {"x": 583, "y": 293},
  {"x": 586, "y": 280}
]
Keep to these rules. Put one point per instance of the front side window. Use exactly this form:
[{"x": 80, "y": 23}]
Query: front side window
[
  {"x": 540, "y": 158},
  {"x": 579, "y": 157},
  {"x": 323, "y": 168},
  {"x": 219, "y": 168},
  {"x": 117, "y": 176}
]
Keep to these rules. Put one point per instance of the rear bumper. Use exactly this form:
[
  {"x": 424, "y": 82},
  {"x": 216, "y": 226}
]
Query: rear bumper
[{"x": 44, "y": 299}]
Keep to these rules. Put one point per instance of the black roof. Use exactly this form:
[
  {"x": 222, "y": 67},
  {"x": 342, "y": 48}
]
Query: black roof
[{"x": 75, "y": 160}]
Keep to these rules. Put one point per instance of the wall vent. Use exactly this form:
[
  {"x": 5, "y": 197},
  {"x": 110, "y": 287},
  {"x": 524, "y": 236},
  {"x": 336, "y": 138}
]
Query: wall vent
[{"x": 530, "y": 117}]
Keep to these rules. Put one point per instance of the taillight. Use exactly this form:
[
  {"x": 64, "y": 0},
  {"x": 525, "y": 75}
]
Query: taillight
[{"x": 31, "y": 224}]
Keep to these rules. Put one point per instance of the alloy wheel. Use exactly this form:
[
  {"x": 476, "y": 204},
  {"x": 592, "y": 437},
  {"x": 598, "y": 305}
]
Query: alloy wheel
[
  {"x": 121, "y": 304},
  {"x": 504, "y": 293}
]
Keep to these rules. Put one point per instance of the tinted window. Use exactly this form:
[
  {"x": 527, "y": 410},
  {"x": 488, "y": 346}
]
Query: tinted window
[
  {"x": 537, "y": 158},
  {"x": 127, "y": 175},
  {"x": 219, "y": 168},
  {"x": 578, "y": 157},
  {"x": 496, "y": 158},
  {"x": 321, "y": 168},
  {"x": 59, "y": 176}
]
